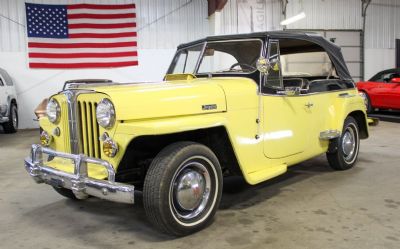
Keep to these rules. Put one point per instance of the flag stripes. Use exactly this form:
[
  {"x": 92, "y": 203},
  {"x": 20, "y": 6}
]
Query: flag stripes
[{"x": 81, "y": 35}]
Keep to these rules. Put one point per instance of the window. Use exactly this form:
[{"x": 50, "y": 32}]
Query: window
[
  {"x": 388, "y": 77},
  {"x": 300, "y": 65},
  {"x": 217, "y": 61},
  {"x": 230, "y": 57},
  {"x": 307, "y": 64},
  {"x": 377, "y": 77},
  {"x": 223, "y": 57},
  {"x": 186, "y": 59},
  {"x": 274, "y": 73},
  {"x": 385, "y": 76}
]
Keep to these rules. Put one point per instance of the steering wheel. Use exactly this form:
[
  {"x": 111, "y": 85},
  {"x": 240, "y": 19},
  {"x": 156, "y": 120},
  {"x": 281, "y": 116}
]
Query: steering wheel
[{"x": 242, "y": 65}]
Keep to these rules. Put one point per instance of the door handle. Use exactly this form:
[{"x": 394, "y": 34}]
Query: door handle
[{"x": 309, "y": 104}]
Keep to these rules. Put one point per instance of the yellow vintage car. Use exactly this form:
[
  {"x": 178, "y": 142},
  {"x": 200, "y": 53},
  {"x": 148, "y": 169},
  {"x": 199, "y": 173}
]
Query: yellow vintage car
[{"x": 250, "y": 105}]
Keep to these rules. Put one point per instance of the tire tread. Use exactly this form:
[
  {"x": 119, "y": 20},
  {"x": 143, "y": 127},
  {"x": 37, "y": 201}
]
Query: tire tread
[{"x": 152, "y": 199}]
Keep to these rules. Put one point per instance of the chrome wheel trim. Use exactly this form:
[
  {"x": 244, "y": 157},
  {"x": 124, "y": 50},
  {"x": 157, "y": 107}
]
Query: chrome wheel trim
[
  {"x": 190, "y": 189},
  {"x": 350, "y": 144},
  {"x": 181, "y": 210},
  {"x": 14, "y": 118},
  {"x": 365, "y": 98}
]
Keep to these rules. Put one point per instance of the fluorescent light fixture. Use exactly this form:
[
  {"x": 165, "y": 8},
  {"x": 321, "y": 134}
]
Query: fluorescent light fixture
[{"x": 293, "y": 19}]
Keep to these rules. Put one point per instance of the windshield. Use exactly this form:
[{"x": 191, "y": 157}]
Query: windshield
[{"x": 218, "y": 57}]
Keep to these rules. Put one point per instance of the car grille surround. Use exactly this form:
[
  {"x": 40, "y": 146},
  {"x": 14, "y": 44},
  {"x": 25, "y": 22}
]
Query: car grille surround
[{"x": 84, "y": 131}]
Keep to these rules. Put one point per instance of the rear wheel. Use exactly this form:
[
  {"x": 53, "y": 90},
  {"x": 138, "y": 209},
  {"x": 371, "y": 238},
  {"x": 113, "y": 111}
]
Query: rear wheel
[
  {"x": 182, "y": 188},
  {"x": 344, "y": 150},
  {"x": 11, "y": 126}
]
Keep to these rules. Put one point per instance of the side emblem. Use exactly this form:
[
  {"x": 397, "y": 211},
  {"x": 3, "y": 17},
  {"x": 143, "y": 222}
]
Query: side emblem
[{"x": 209, "y": 107}]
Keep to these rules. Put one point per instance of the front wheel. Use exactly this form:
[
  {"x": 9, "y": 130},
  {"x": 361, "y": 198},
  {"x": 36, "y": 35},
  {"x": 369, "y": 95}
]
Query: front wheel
[
  {"x": 182, "y": 188},
  {"x": 344, "y": 150}
]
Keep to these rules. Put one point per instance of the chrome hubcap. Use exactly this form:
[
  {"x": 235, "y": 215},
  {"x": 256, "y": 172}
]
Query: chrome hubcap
[
  {"x": 348, "y": 143},
  {"x": 190, "y": 190}
]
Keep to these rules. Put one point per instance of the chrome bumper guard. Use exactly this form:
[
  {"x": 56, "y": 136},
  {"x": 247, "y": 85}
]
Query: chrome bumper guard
[{"x": 81, "y": 185}]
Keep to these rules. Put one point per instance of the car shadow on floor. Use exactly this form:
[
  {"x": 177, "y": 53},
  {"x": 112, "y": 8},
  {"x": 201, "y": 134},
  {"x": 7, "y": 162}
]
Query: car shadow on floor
[
  {"x": 79, "y": 219},
  {"x": 238, "y": 194}
]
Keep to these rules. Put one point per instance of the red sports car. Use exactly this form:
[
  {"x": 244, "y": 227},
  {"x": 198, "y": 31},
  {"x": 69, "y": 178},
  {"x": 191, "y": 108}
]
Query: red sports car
[{"x": 382, "y": 90}]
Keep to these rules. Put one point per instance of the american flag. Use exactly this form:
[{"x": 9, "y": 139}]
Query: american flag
[{"x": 81, "y": 35}]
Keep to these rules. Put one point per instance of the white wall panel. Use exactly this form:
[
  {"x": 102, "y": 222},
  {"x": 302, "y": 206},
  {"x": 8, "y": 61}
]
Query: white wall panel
[
  {"x": 326, "y": 14},
  {"x": 380, "y": 59},
  {"x": 243, "y": 16},
  {"x": 34, "y": 85},
  {"x": 161, "y": 23},
  {"x": 382, "y": 24}
]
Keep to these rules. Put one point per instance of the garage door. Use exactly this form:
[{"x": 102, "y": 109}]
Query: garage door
[{"x": 351, "y": 44}]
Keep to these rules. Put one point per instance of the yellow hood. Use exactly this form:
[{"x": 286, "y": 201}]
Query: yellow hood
[{"x": 165, "y": 99}]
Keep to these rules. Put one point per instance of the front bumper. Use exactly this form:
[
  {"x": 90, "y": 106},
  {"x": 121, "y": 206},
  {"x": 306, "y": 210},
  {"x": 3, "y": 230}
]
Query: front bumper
[{"x": 79, "y": 182}]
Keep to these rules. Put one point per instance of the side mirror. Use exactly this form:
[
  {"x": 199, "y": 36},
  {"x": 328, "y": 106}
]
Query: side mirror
[
  {"x": 263, "y": 65},
  {"x": 395, "y": 80}
]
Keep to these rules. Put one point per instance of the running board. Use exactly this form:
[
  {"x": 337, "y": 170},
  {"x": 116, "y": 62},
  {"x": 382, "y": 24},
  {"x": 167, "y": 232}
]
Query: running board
[
  {"x": 265, "y": 174},
  {"x": 329, "y": 134}
]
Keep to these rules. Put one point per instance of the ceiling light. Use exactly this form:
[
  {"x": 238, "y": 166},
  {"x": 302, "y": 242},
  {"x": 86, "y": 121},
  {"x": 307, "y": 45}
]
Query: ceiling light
[{"x": 293, "y": 19}]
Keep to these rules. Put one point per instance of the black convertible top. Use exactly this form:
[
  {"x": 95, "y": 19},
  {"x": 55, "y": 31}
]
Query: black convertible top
[{"x": 332, "y": 49}]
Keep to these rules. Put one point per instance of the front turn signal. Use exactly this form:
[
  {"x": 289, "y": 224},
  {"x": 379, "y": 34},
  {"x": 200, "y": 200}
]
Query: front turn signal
[
  {"x": 110, "y": 147},
  {"x": 45, "y": 138}
]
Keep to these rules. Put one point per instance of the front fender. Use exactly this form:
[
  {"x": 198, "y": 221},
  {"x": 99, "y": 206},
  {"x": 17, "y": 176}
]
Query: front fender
[{"x": 170, "y": 125}]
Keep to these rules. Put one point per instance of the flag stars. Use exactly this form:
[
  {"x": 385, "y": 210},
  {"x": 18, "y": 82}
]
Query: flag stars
[{"x": 47, "y": 21}]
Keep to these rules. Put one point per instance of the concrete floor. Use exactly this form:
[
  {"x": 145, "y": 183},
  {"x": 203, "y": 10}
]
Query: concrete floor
[{"x": 311, "y": 206}]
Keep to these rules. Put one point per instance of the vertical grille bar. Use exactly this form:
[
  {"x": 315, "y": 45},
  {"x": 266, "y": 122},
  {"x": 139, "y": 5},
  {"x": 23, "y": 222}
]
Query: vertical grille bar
[
  {"x": 82, "y": 114},
  {"x": 89, "y": 128},
  {"x": 95, "y": 133},
  {"x": 65, "y": 125}
]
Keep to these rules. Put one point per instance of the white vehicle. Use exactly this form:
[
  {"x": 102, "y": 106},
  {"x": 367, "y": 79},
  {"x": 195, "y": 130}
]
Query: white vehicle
[{"x": 8, "y": 103}]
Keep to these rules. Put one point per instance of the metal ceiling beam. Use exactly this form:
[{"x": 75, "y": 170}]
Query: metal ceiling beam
[{"x": 364, "y": 7}]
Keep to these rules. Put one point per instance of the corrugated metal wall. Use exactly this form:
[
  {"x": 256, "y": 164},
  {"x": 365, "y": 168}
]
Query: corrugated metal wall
[
  {"x": 236, "y": 15},
  {"x": 326, "y": 14},
  {"x": 161, "y": 23},
  {"x": 166, "y": 23},
  {"x": 382, "y": 23}
]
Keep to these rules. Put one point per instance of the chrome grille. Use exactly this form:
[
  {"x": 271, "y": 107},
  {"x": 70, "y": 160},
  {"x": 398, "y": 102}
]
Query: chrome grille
[
  {"x": 89, "y": 129},
  {"x": 65, "y": 124}
]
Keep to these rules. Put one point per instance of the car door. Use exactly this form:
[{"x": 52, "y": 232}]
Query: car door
[
  {"x": 383, "y": 92},
  {"x": 392, "y": 94},
  {"x": 286, "y": 120}
]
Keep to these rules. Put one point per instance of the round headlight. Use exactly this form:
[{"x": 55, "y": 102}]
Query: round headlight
[
  {"x": 53, "y": 111},
  {"x": 105, "y": 113}
]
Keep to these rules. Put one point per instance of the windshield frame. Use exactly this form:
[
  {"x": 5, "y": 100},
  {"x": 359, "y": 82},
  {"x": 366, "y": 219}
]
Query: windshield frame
[
  {"x": 176, "y": 57},
  {"x": 201, "y": 56}
]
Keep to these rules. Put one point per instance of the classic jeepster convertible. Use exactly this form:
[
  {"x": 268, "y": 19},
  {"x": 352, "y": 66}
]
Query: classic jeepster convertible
[{"x": 248, "y": 105}]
